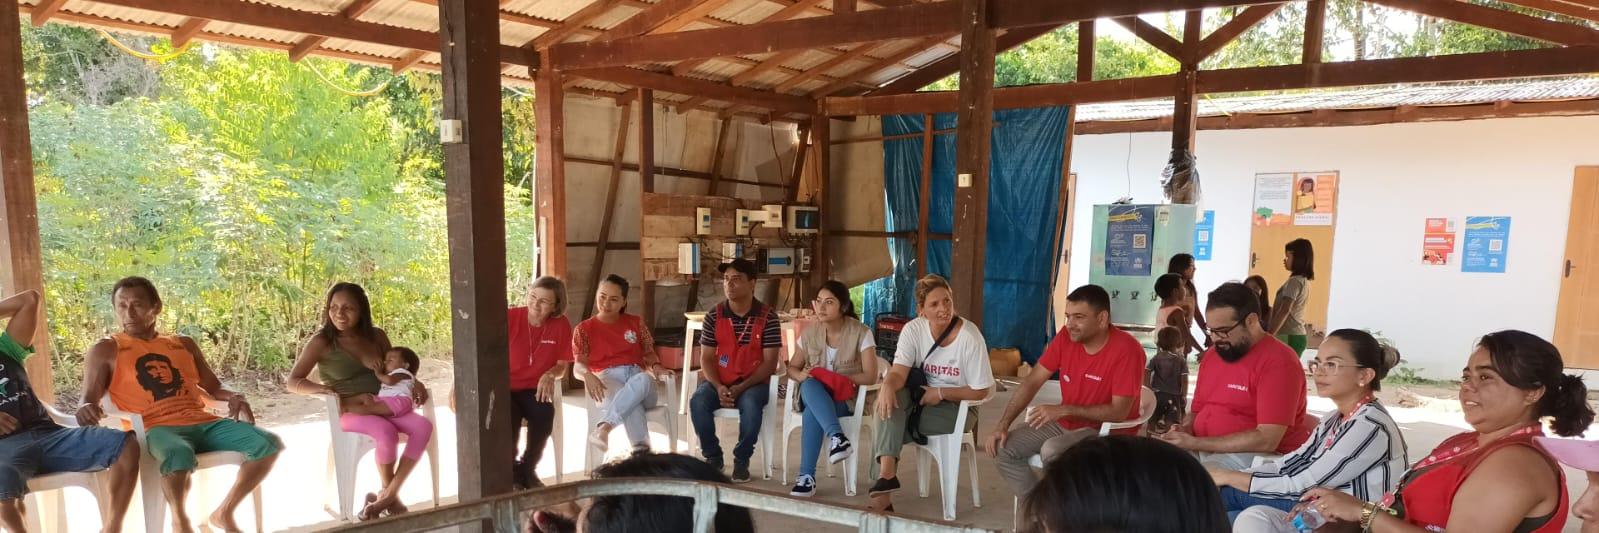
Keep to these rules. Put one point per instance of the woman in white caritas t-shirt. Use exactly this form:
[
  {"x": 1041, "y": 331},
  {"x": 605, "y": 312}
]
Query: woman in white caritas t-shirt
[{"x": 957, "y": 369}]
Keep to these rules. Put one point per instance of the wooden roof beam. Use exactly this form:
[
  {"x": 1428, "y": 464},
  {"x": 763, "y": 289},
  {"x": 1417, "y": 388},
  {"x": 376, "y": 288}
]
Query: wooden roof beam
[
  {"x": 909, "y": 22},
  {"x": 410, "y": 60},
  {"x": 1156, "y": 37},
  {"x": 1230, "y": 31},
  {"x": 352, "y": 11},
  {"x": 666, "y": 16},
  {"x": 1589, "y": 13},
  {"x": 573, "y": 23},
  {"x": 46, "y": 9},
  {"x": 695, "y": 87},
  {"x": 1498, "y": 19},
  {"x": 292, "y": 20},
  {"x": 949, "y": 65},
  {"x": 1456, "y": 67},
  {"x": 188, "y": 30},
  {"x": 791, "y": 11},
  {"x": 862, "y": 74}
]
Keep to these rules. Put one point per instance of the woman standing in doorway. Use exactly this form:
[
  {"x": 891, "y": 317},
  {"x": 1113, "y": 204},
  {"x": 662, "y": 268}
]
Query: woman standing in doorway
[
  {"x": 540, "y": 351},
  {"x": 346, "y": 354},
  {"x": 1288, "y": 312},
  {"x": 1183, "y": 265}
]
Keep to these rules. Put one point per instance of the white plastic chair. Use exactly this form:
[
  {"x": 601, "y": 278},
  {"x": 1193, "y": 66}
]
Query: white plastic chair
[
  {"x": 767, "y": 423},
  {"x": 793, "y": 421},
  {"x": 155, "y": 504},
  {"x": 662, "y": 415},
  {"x": 945, "y": 452},
  {"x": 345, "y": 453},
  {"x": 45, "y": 492},
  {"x": 556, "y": 438},
  {"x": 1146, "y": 408}
]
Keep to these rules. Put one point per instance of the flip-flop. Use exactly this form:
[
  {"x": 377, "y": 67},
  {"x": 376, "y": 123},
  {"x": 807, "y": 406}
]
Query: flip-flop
[{"x": 366, "y": 512}]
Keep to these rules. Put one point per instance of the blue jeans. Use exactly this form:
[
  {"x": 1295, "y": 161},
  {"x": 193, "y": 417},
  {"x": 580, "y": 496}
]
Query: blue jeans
[
  {"x": 48, "y": 449},
  {"x": 751, "y": 406},
  {"x": 1236, "y": 501},
  {"x": 820, "y": 420}
]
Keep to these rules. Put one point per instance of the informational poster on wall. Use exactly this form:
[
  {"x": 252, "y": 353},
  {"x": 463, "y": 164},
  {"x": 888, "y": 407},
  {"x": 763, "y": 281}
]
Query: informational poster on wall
[
  {"x": 1300, "y": 198},
  {"x": 1204, "y": 234},
  {"x": 1487, "y": 243},
  {"x": 1129, "y": 232},
  {"x": 1438, "y": 241}
]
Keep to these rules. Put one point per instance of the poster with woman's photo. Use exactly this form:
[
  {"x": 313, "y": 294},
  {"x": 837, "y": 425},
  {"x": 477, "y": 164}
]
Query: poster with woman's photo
[{"x": 1315, "y": 198}]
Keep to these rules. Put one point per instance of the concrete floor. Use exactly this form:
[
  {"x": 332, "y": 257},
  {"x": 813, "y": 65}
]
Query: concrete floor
[{"x": 294, "y": 491}]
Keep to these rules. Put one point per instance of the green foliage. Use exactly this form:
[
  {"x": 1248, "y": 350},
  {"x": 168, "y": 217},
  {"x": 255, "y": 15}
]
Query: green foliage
[{"x": 244, "y": 186}]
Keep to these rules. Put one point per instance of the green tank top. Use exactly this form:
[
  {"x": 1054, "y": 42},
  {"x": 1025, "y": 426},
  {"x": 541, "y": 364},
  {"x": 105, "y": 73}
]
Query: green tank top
[{"x": 345, "y": 374}]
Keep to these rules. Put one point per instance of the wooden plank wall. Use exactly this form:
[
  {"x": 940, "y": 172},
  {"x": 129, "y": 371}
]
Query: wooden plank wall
[{"x": 669, "y": 221}]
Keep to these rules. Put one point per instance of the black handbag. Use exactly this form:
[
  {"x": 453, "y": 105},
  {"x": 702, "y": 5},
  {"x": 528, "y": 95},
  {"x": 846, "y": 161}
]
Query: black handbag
[{"x": 918, "y": 379}]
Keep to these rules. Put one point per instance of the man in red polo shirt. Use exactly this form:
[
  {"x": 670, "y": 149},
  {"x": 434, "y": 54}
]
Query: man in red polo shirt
[
  {"x": 1250, "y": 399},
  {"x": 738, "y": 354},
  {"x": 1101, "y": 380}
]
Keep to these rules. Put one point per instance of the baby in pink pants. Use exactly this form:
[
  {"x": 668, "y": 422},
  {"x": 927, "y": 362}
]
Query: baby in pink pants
[{"x": 398, "y": 377}]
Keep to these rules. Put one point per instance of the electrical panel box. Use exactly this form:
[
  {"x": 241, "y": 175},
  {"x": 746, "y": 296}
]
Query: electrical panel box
[
  {"x": 688, "y": 258},
  {"x": 731, "y": 251},
  {"x": 804, "y": 260},
  {"x": 702, "y": 218},
  {"x": 742, "y": 221},
  {"x": 774, "y": 215},
  {"x": 804, "y": 220},
  {"x": 779, "y": 261}
]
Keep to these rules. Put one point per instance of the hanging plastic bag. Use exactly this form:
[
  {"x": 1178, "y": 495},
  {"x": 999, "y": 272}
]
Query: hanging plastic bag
[{"x": 1180, "y": 179}]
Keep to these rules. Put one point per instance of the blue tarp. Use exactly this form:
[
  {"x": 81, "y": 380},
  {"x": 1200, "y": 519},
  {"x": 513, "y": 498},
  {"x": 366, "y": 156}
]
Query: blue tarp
[{"x": 1024, "y": 183}]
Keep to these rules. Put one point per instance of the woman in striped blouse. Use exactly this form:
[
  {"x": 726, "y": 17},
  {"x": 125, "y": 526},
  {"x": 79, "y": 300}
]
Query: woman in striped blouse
[{"x": 1358, "y": 449}]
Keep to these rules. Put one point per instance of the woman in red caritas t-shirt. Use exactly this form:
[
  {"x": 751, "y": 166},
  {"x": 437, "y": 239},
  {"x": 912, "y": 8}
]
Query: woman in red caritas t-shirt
[
  {"x": 617, "y": 354},
  {"x": 540, "y": 351},
  {"x": 1496, "y": 477}
]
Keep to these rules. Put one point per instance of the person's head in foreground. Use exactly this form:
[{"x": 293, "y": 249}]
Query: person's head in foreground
[
  {"x": 1124, "y": 483},
  {"x": 1515, "y": 378},
  {"x": 645, "y": 512}
]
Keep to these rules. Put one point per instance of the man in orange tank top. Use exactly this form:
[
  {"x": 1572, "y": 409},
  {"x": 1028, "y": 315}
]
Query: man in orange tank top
[
  {"x": 32, "y": 443},
  {"x": 165, "y": 380}
]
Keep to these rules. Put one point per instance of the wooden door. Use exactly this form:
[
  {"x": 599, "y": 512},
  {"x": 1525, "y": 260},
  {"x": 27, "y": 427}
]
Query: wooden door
[
  {"x": 1063, "y": 264},
  {"x": 1577, "y": 317},
  {"x": 1266, "y": 244}
]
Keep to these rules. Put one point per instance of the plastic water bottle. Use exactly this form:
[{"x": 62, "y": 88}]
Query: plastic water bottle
[{"x": 1308, "y": 519}]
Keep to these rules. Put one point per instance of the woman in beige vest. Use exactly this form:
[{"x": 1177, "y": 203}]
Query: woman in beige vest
[{"x": 834, "y": 354}]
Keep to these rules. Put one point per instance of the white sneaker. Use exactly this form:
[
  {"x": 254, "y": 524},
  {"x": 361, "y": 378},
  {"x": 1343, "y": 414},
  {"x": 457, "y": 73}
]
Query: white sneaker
[
  {"x": 841, "y": 449},
  {"x": 804, "y": 486}
]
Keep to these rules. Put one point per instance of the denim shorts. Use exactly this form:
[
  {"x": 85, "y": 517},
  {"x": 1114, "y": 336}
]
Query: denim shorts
[{"x": 50, "y": 449}]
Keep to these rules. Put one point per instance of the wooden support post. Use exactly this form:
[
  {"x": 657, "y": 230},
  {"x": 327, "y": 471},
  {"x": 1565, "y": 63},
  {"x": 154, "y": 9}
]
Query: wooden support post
[
  {"x": 19, "y": 206},
  {"x": 598, "y": 267},
  {"x": 1085, "y": 50},
  {"x": 550, "y": 172},
  {"x": 716, "y": 156},
  {"x": 843, "y": 6},
  {"x": 924, "y": 198},
  {"x": 1315, "y": 21},
  {"x": 976, "y": 124},
  {"x": 1184, "y": 115},
  {"x": 806, "y": 139},
  {"x": 646, "y": 176},
  {"x": 822, "y": 136},
  {"x": 474, "y": 183},
  {"x": 1062, "y": 205}
]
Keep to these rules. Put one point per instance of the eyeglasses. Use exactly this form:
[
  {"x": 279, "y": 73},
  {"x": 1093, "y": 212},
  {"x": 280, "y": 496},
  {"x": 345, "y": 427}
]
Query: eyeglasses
[
  {"x": 1222, "y": 332},
  {"x": 1328, "y": 368}
]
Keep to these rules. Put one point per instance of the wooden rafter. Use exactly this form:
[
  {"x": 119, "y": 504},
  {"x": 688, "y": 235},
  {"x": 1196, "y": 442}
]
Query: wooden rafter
[
  {"x": 1315, "y": 25},
  {"x": 410, "y": 60},
  {"x": 664, "y": 82},
  {"x": 1230, "y": 31},
  {"x": 786, "y": 13},
  {"x": 1499, "y": 19},
  {"x": 666, "y": 16},
  {"x": 912, "y": 21},
  {"x": 1456, "y": 67},
  {"x": 1085, "y": 51},
  {"x": 1156, "y": 37},
  {"x": 949, "y": 65},
  {"x": 1589, "y": 13},
  {"x": 45, "y": 10},
  {"x": 611, "y": 199},
  {"x": 352, "y": 11},
  {"x": 574, "y": 23},
  {"x": 188, "y": 30},
  {"x": 292, "y": 20},
  {"x": 1358, "y": 117},
  {"x": 862, "y": 74}
]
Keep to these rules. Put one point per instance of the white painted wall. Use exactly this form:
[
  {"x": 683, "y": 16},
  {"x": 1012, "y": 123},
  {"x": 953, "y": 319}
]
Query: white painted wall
[{"x": 1393, "y": 176}]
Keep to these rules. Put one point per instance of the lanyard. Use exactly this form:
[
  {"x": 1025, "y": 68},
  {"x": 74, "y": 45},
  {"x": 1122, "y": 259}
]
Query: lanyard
[
  {"x": 1452, "y": 453},
  {"x": 1332, "y": 435}
]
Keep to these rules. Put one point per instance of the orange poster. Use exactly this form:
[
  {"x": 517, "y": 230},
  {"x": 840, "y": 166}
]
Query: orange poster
[
  {"x": 1438, "y": 242},
  {"x": 1315, "y": 198}
]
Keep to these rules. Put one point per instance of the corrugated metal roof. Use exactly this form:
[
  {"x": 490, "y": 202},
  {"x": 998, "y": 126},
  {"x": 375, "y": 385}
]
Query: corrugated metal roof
[{"x": 1537, "y": 90}]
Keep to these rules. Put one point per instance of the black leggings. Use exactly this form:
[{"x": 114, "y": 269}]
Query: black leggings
[{"x": 540, "y": 418}]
